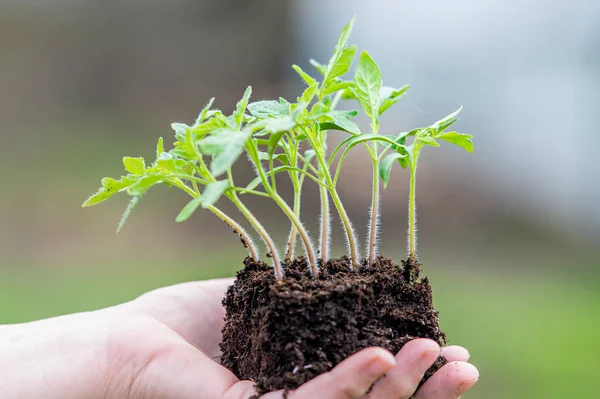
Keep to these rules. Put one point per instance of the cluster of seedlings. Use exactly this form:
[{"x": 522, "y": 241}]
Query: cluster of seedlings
[{"x": 358, "y": 300}]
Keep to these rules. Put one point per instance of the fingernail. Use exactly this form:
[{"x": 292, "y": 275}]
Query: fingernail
[
  {"x": 427, "y": 359},
  {"x": 464, "y": 386},
  {"x": 382, "y": 363}
]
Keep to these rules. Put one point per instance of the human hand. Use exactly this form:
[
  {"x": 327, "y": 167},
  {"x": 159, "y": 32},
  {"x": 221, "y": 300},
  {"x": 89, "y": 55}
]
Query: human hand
[{"x": 165, "y": 345}]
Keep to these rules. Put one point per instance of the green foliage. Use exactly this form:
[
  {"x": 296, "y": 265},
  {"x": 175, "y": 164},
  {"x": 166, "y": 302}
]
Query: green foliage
[{"x": 282, "y": 137}]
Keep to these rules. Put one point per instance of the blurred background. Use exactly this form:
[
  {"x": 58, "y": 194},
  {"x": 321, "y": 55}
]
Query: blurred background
[{"x": 509, "y": 235}]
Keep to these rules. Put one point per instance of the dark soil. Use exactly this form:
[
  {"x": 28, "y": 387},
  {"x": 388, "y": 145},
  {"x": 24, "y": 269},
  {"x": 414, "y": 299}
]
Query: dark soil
[{"x": 281, "y": 334}]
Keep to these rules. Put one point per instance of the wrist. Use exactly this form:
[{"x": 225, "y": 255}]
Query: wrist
[{"x": 55, "y": 358}]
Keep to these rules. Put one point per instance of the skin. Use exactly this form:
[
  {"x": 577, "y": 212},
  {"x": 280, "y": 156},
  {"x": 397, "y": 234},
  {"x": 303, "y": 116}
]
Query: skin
[{"x": 165, "y": 345}]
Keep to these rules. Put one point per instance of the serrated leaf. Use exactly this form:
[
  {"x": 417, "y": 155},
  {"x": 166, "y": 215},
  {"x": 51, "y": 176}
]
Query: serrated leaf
[
  {"x": 428, "y": 140},
  {"x": 446, "y": 122},
  {"x": 109, "y": 188},
  {"x": 338, "y": 51},
  {"x": 179, "y": 129},
  {"x": 309, "y": 93},
  {"x": 306, "y": 77},
  {"x": 127, "y": 212},
  {"x": 204, "y": 113},
  {"x": 241, "y": 107},
  {"x": 135, "y": 166},
  {"x": 367, "y": 87},
  {"x": 385, "y": 167},
  {"x": 339, "y": 120},
  {"x": 213, "y": 192},
  {"x": 188, "y": 210},
  {"x": 143, "y": 184},
  {"x": 226, "y": 145},
  {"x": 390, "y": 96},
  {"x": 319, "y": 67},
  {"x": 283, "y": 124},
  {"x": 341, "y": 67},
  {"x": 268, "y": 108},
  {"x": 459, "y": 139},
  {"x": 217, "y": 121}
]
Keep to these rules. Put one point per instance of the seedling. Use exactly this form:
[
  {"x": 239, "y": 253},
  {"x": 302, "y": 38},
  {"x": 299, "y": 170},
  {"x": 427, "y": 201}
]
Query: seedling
[
  {"x": 279, "y": 136},
  {"x": 345, "y": 306}
]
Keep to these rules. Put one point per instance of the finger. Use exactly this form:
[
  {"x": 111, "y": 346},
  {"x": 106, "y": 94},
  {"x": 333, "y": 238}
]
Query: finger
[
  {"x": 455, "y": 353},
  {"x": 449, "y": 382},
  {"x": 350, "y": 379},
  {"x": 193, "y": 310},
  {"x": 412, "y": 362}
]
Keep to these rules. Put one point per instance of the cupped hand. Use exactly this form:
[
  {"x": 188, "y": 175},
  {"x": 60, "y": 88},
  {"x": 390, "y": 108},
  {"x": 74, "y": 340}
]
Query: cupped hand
[{"x": 165, "y": 344}]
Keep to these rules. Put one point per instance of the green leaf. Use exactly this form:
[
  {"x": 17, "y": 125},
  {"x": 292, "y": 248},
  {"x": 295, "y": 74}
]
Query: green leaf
[
  {"x": 446, "y": 122},
  {"x": 204, "y": 113},
  {"x": 338, "y": 52},
  {"x": 226, "y": 145},
  {"x": 127, "y": 212},
  {"x": 283, "y": 124},
  {"x": 215, "y": 122},
  {"x": 341, "y": 67},
  {"x": 188, "y": 210},
  {"x": 143, "y": 184},
  {"x": 159, "y": 147},
  {"x": 273, "y": 141},
  {"x": 339, "y": 120},
  {"x": 241, "y": 107},
  {"x": 320, "y": 67},
  {"x": 390, "y": 96},
  {"x": 337, "y": 84},
  {"x": 213, "y": 192},
  {"x": 306, "y": 77},
  {"x": 180, "y": 129},
  {"x": 109, "y": 188},
  {"x": 460, "y": 139},
  {"x": 426, "y": 137},
  {"x": 385, "y": 167},
  {"x": 268, "y": 108},
  {"x": 135, "y": 166},
  {"x": 367, "y": 81},
  {"x": 309, "y": 93}
]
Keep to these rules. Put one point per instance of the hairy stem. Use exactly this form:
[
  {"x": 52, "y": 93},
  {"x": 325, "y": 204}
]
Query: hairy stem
[
  {"x": 244, "y": 236},
  {"x": 291, "y": 244},
  {"x": 374, "y": 219},
  {"x": 412, "y": 213},
  {"x": 247, "y": 240},
  {"x": 348, "y": 229},
  {"x": 325, "y": 224},
  {"x": 262, "y": 232},
  {"x": 252, "y": 151}
]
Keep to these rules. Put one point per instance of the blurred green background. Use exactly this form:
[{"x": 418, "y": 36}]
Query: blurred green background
[{"x": 508, "y": 235}]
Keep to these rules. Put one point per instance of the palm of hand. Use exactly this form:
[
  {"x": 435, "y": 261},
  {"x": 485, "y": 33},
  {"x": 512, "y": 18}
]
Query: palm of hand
[{"x": 177, "y": 357}]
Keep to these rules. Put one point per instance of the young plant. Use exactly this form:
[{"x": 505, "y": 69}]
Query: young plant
[{"x": 281, "y": 136}]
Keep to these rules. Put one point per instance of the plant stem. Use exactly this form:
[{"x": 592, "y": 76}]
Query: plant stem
[
  {"x": 348, "y": 229},
  {"x": 252, "y": 151},
  {"x": 261, "y": 231},
  {"x": 310, "y": 253},
  {"x": 325, "y": 224},
  {"x": 374, "y": 220},
  {"x": 291, "y": 243},
  {"x": 246, "y": 239},
  {"x": 412, "y": 213}
]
